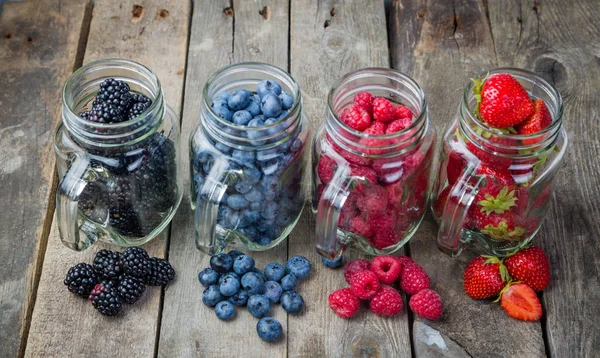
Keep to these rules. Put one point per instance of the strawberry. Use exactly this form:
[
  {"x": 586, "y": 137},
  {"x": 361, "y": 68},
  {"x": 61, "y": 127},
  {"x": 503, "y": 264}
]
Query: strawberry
[
  {"x": 530, "y": 266},
  {"x": 413, "y": 278},
  {"x": 500, "y": 176},
  {"x": 402, "y": 112},
  {"x": 498, "y": 226},
  {"x": 488, "y": 157},
  {"x": 504, "y": 102},
  {"x": 455, "y": 167},
  {"x": 427, "y": 304},
  {"x": 356, "y": 118},
  {"x": 383, "y": 110},
  {"x": 484, "y": 277},
  {"x": 540, "y": 119},
  {"x": 440, "y": 203},
  {"x": 364, "y": 100},
  {"x": 520, "y": 301},
  {"x": 493, "y": 199}
]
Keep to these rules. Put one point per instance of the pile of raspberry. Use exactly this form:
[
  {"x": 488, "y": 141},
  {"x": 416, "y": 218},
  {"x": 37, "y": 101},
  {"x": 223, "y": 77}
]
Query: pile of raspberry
[
  {"x": 380, "y": 208},
  {"x": 372, "y": 281}
]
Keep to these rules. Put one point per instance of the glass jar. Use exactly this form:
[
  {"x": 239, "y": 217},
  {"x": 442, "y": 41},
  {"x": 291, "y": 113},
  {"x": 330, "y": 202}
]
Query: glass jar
[
  {"x": 479, "y": 163},
  {"x": 247, "y": 183},
  {"x": 371, "y": 191},
  {"x": 120, "y": 181}
]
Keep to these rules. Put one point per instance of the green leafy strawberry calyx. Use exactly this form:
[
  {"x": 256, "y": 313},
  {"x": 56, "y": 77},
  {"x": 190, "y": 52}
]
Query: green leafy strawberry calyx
[
  {"x": 494, "y": 260},
  {"x": 501, "y": 232},
  {"x": 499, "y": 204}
]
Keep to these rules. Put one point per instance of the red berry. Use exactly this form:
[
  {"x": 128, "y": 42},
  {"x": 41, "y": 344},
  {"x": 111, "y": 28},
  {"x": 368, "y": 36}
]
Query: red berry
[
  {"x": 353, "y": 267},
  {"x": 326, "y": 169},
  {"x": 381, "y": 239},
  {"x": 344, "y": 302},
  {"x": 484, "y": 277},
  {"x": 402, "y": 112},
  {"x": 427, "y": 304},
  {"x": 364, "y": 100},
  {"x": 530, "y": 266},
  {"x": 377, "y": 128},
  {"x": 366, "y": 176},
  {"x": 403, "y": 260},
  {"x": 398, "y": 125},
  {"x": 383, "y": 110},
  {"x": 539, "y": 120},
  {"x": 373, "y": 202},
  {"x": 504, "y": 102},
  {"x": 413, "y": 278},
  {"x": 364, "y": 284},
  {"x": 387, "y": 268},
  {"x": 383, "y": 223},
  {"x": 356, "y": 118},
  {"x": 440, "y": 203},
  {"x": 520, "y": 301},
  {"x": 386, "y": 302},
  {"x": 455, "y": 167},
  {"x": 359, "y": 226}
]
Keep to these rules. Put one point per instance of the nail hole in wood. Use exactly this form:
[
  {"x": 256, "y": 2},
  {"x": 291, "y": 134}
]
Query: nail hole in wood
[
  {"x": 162, "y": 14},
  {"x": 326, "y": 24},
  {"x": 265, "y": 12},
  {"x": 332, "y": 12},
  {"x": 536, "y": 8},
  {"x": 29, "y": 39},
  {"x": 137, "y": 11},
  {"x": 8, "y": 35},
  {"x": 421, "y": 14},
  {"x": 228, "y": 11}
]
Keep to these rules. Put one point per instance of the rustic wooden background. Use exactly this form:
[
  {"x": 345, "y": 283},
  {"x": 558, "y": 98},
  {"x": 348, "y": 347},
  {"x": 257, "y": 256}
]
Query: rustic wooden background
[{"x": 439, "y": 43}]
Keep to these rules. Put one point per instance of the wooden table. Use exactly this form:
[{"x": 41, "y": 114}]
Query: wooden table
[{"x": 439, "y": 43}]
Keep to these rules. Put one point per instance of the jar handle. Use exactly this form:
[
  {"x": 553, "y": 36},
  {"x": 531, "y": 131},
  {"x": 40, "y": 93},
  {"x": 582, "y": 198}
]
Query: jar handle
[
  {"x": 455, "y": 211},
  {"x": 67, "y": 196},
  {"x": 207, "y": 207},
  {"x": 328, "y": 213}
]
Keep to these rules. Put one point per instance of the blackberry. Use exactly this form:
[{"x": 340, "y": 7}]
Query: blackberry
[
  {"x": 105, "y": 298},
  {"x": 104, "y": 112},
  {"x": 161, "y": 273},
  {"x": 108, "y": 264},
  {"x": 130, "y": 289},
  {"x": 140, "y": 104},
  {"x": 116, "y": 93},
  {"x": 81, "y": 279},
  {"x": 135, "y": 262}
]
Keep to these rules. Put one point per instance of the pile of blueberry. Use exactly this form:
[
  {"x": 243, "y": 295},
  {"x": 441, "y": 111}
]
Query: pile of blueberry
[
  {"x": 265, "y": 196},
  {"x": 233, "y": 280}
]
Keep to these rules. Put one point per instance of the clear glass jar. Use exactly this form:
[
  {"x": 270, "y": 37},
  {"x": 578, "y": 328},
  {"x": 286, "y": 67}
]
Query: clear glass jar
[
  {"x": 261, "y": 168},
  {"x": 121, "y": 182},
  {"x": 478, "y": 161},
  {"x": 377, "y": 194}
]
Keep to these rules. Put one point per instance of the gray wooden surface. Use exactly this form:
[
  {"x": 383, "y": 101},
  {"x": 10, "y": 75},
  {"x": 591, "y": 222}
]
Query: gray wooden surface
[{"x": 439, "y": 43}]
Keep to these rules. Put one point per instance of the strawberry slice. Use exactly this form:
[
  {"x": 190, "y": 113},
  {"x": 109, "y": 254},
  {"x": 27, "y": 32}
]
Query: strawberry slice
[{"x": 520, "y": 301}]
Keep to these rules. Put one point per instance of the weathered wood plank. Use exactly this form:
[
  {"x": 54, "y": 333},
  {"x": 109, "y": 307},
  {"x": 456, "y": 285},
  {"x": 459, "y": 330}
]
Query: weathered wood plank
[
  {"x": 34, "y": 63},
  {"x": 559, "y": 40},
  {"x": 328, "y": 40},
  {"x": 62, "y": 324},
  {"x": 441, "y": 45},
  {"x": 255, "y": 38}
]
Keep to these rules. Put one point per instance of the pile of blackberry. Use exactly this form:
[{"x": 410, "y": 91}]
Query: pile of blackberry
[{"x": 115, "y": 278}]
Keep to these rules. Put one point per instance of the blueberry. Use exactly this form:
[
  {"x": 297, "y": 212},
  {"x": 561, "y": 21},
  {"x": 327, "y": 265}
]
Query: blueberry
[
  {"x": 296, "y": 145},
  {"x": 292, "y": 302},
  {"x": 264, "y": 225},
  {"x": 270, "y": 167},
  {"x": 284, "y": 218},
  {"x": 240, "y": 298},
  {"x": 265, "y": 240},
  {"x": 256, "y": 205},
  {"x": 253, "y": 106},
  {"x": 287, "y": 101},
  {"x": 333, "y": 263},
  {"x": 211, "y": 296},
  {"x": 244, "y": 156},
  {"x": 222, "y": 147},
  {"x": 237, "y": 201},
  {"x": 229, "y": 286},
  {"x": 232, "y": 220},
  {"x": 254, "y": 195},
  {"x": 273, "y": 232},
  {"x": 250, "y": 232},
  {"x": 239, "y": 100},
  {"x": 253, "y": 282},
  {"x": 270, "y": 210},
  {"x": 243, "y": 264},
  {"x": 252, "y": 174},
  {"x": 288, "y": 282},
  {"x": 221, "y": 263},
  {"x": 198, "y": 183},
  {"x": 270, "y": 187},
  {"x": 274, "y": 271},
  {"x": 273, "y": 291},
  {"x": 259, "y": 305},
  {"x": 225, "y": 310},
  {"x": 267, "y": 154},
  {"x": 228, "y": 274},
  {"x": 274, "y": 129},
  {"x": 248, "y": 217},
  {"x": 223, "y": 211},
  {"x": 208, "y": 165},
  {"x": 256, "y": 122},
  {"x": 270, "y": 105},
  {"x": 208, "y": 277},
  {"x": 235, "y": 253},
  {"x": 268, "y": 86},
  {"x": 299, "y": 266},
  {"x": 243, "y": 186},
  {"x": 225, "y": 96},
  {"x": 199, "y": 159},
  {"x": 241, "y": 118},
  {"x": 221, "y": 109},
  {"x": 269, "y": 329}
]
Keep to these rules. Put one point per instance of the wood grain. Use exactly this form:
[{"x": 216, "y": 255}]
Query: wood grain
[
  {"x": 441, "y": 45},
  {"x": 63, "y": 324},
  {"x": 34, "y": 63},
  {"x": 215, "y": 43},
  {"x": 328, "y": 40},
  {"x": 560, "y": 41}
]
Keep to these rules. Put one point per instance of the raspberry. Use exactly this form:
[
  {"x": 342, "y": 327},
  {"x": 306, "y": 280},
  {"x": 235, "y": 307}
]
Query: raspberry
[
  {"x": 412, "y": 162},
  {"x": 356, "y": 118},
  {"x": 376, "y": 128},
  {"x": 353, "y": 267},
  {"x": 394, "y": 192},
  {"x": 402, "y": 112},
  {"x": 360, "y": 227},
  {"x": 386, "y": 302},
  {"x": 364, "y": 100},
  {"x": 382, "y": 240},
  {"x": 366, "y": 176},
  {"x": 326, "y": 169},
  {"x": 387, "y": 268},
  {"x": 398, "y": 125},
  {"x": 383, "y": 223},
  {"x": 344, "y": 302},
  {"x": 403, "y": 260},
  {"x": 413, "y": 278},
  {"x": 364, "y": 284},
  {"x": 427, "y": 304},
  {"x": 383, "y": 110},
  {"x": 373, "y": 202}
]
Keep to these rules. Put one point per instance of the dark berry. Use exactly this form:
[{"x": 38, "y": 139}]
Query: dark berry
[
  {"x": 104, "y": 112},
  {"x": 140, "y": 104},
  {"x": 269, "y": 329},
  {"x": 81, "y": 279},
  {"x": 115, "y": 93},
  {"x": 221, "y": 263},
  {"x": 135, "y": 262},
  {"x": 105, "y": 298},
  {"x": 161, "y": 272},
  {"x": 130, "y": 289},
  {"x": 108, "y": 264}
]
